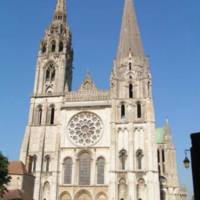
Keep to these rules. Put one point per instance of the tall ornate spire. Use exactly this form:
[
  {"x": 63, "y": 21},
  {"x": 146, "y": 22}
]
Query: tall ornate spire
[
  {"x": 60, "y": 11},
  {"x": 130, "y": 41}
]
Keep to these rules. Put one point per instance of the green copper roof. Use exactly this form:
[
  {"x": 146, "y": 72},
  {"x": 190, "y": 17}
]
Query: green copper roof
[{"x": 160, "y": 132}]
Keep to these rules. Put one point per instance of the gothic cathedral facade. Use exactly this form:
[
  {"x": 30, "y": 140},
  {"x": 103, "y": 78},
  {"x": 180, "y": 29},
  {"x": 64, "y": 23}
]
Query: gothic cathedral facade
[{"x": 92, "y": 144}]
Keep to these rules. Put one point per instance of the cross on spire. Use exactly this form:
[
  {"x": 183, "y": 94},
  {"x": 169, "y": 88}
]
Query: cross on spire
[{"x": 130, "y": 41}]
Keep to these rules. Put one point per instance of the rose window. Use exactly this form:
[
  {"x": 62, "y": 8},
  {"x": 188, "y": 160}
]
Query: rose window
[{"x": 85, "y": 129}]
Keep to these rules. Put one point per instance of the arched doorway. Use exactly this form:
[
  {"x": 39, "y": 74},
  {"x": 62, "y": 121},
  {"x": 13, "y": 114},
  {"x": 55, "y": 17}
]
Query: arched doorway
[{"x": 83, "y": 195}]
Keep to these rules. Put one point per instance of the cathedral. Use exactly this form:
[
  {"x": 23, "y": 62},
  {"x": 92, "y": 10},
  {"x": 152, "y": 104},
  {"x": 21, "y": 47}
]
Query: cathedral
[{"x": 93, "y": 144}]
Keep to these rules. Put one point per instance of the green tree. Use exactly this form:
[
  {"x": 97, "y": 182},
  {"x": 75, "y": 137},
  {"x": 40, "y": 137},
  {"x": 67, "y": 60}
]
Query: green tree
[{"x": 4, "y": 177}]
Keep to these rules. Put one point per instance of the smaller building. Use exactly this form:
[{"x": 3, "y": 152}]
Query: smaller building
[
  {"x": 21, "y": 186},
  {"x": 166, "y": 152}
]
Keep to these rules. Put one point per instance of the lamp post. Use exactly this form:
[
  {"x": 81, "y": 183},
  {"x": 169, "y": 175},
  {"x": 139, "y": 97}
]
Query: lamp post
[{"x": 186, "y": 161}]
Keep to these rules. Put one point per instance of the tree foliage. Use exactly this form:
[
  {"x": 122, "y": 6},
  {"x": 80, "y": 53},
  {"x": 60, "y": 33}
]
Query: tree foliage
[{"x": 4, "y": 177}]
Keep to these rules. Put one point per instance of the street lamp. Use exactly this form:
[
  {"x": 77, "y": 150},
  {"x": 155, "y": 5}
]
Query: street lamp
[{"x": 186, "y": 161}]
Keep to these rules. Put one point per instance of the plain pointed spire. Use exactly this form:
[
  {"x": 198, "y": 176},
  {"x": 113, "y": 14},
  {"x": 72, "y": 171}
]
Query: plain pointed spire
[
  {"x": 60, "y": 11},
  {"x": 130, "y": 41}
]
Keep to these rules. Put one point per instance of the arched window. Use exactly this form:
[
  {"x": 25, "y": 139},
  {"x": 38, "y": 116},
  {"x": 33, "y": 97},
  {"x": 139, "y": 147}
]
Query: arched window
[
  {"x": 67, "y": 167},
  {"x": 65, "y": 196},
  {"x": 130, "y": 91},
  {"x": 100, "y": 170},
  {"x": 123, "y": 157},
  {"x": 61, "y": 46},
  {"x": 44, "y": 47},
  {"x": 38, "y": 115},
  {"x": 123, "y": 112},
  {"x": 163, "y": 160},
  {"x": 53, "y": 46},
  {"x": 141, "y": 189},
  {"x": 51, "y": 115},
  {"x": 139, "y": 110},
  {"x": 32, "y": 163},
  {"x": 139, "y": 155},
  {"x": 84, "y": 168},
  {"x": 130, "y": 65},
  {"x": 53, "y": 73},
  {"x": 163, "y": 155},
  {"x": 46, "y": 191},
  {"x": 50, "y": 73},
  {"x": 47, "y": 163},
  {"x": 123, "y": 189}
]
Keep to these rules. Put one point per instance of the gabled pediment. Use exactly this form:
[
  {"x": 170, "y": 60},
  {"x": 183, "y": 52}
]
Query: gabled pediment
[{"x": 87, "y": 85}]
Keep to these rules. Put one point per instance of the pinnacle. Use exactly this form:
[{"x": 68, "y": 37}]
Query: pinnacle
[{"x": 60, "y": 11}]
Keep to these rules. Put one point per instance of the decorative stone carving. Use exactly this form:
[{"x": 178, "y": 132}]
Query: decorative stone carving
[{"x": 85, "y": 129}]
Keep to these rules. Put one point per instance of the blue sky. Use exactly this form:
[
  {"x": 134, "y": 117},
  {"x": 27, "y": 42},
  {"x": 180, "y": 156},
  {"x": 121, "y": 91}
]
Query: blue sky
[{"x": 170, "y": 32}]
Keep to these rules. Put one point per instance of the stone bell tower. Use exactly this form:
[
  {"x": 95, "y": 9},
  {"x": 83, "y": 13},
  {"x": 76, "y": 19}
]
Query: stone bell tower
[
  {"x": 53, "y": 80},
  {"x": 134, "y": 166},
  {"x": 54, "y": 65}
]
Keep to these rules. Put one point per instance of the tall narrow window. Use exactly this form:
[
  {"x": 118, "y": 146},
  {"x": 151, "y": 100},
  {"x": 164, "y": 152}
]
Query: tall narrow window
[
  {"x": 38, "y": 115},
  {"x": 47, "y": 163},
  {"x": 46, "y": 191},
  {"x": 123, "y": 157},
  {"x": 44, "y": 47},
  {"x": 53, "y": 73},
  {"x": 67, "y": 171},
  {"x": 158, "y": 154},
  {"x": 123, "y": 111},
  {"x": 48, "y": 74},
  {"x": 139, "y": 110},
  {"x": 100, "y": 170},
  {"x": 30, "y": 163},
  {"x": 53, "y": 46},
  {"x": 130, "y": 66},
  {"x": 84, "y": 169},
  {"x": 148, "y": 86},
  {"x": 34, "y": 162},
  {"x": 52, "y": 114},
  {"x": 60, "y": 46},
  {"x": 130, "y": 91},
  {"x": 163, "y": 155},
  {"x": 139, "y": 155}
]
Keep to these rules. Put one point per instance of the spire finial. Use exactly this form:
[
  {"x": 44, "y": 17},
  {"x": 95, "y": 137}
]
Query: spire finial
[
  {"x": 130, "y": 40},
  {"x": 60, "y": 11}
]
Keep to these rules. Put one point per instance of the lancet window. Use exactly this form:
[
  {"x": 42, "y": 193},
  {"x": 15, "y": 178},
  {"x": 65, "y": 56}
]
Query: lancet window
[
  {"x": 46, "y": 163},
  {"x": 61, "y": 46},
  {"x": 67, "y": 167},
  {"x": 123, "y": 157},
  {"x": 100, "y": 170},
  {"x": 53, "y": 46},
  {"x": 38, "y": 115},
  {"x": 84, "y": 168},
  {"x": 50, "y": 73},
  {"x": 51, "y": 115},
  {"x": 44, "y": 47},
  {"x": 139, "y": 110},
  {"x": 123, "y": 111},
  {"x": 32, "y": 163},
  {"x": 130, "y": 91},
  {"x": 139, "y": 156}
]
